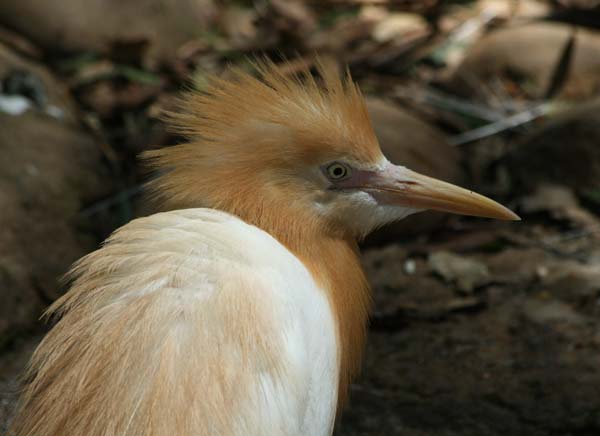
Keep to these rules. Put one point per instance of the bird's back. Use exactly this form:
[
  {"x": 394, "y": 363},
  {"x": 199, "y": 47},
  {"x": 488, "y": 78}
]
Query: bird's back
[{"x": 188, "y": 322}]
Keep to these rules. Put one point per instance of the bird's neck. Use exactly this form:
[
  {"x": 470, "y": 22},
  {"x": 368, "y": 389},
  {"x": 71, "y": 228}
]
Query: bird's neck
[
  {"x": 333, "y": 260},
  {"x": 335, "y": 265},
  {"x": 331, "y": 256}
]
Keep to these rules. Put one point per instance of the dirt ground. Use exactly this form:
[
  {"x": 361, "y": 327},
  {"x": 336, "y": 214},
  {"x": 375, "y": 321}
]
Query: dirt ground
[
  {"x": 479, "y": 327},
  {"x": 518, "y": 354}
]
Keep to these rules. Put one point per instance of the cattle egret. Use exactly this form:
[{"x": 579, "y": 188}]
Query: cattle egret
[{"x": 242, "y": 310}]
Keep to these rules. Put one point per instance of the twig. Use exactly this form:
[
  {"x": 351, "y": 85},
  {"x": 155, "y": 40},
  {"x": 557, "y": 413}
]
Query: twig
[
  {"x": 562, "y": 68},
  {"x": 448, "y": 103},
  {"x": 572, "y": 235},
  {"x": 507, "y": 123}
]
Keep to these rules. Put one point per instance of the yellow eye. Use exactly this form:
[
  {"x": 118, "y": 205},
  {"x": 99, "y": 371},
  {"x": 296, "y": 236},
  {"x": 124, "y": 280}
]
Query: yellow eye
[{"x": 337, "y": 171}]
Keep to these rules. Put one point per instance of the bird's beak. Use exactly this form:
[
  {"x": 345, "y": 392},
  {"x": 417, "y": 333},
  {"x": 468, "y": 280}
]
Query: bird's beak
[{"x": 396, "y": 185}]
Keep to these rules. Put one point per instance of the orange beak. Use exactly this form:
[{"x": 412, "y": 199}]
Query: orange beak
[{"x": 399, "y": 186}]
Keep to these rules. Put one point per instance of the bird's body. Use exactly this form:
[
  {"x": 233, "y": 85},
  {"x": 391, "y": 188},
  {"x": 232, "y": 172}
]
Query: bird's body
[
  {"x": 243, "y": 311},
  {"x": 230, "y": 324}
]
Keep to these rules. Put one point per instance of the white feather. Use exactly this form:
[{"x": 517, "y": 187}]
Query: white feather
[{"x": 230, "y": 336}]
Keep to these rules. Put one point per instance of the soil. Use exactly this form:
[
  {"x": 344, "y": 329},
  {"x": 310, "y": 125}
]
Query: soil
[{"x": 517, "y": 356}]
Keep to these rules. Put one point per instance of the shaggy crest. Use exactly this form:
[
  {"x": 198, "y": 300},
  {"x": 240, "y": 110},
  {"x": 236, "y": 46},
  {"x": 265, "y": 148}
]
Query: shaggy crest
[{"x": 240, "y": 126}]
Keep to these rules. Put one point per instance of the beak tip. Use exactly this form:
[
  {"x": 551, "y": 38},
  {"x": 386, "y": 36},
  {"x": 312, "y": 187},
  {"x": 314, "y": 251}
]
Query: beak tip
[
  {"x": 493, "y": 210},
  {"x": 505, "y": 214},
  {"x": 511, "y": 216}
]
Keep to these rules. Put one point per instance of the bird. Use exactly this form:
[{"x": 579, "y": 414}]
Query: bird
[{"x": 241, "y": 308}]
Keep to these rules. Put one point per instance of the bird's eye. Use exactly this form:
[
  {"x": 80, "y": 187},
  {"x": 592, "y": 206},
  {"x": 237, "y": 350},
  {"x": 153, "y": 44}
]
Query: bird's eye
[{"x": 337, "y": 171}]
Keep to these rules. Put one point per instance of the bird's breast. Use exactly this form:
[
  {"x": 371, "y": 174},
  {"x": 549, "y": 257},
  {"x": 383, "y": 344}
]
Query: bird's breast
[
  {"x": 199, "y": 324},
  {"x": 256, "y": 294}
]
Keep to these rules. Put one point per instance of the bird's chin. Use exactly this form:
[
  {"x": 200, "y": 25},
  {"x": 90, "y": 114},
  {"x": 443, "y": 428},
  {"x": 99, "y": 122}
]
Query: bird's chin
[
  {"x": 366, "y": 211},
  {"x": 387, "y": 208}
]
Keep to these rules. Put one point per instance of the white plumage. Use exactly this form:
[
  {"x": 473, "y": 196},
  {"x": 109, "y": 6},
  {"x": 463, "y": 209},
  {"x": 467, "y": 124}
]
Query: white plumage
[{"x": 230, "y": 324}]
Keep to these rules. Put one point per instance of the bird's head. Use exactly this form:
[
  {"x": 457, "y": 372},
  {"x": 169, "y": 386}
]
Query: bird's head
[{"x": 280, "y": 145}]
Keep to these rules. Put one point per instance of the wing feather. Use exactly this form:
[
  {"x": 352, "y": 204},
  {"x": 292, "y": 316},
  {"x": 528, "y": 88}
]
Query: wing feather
[{"x": 170, "y": 329}]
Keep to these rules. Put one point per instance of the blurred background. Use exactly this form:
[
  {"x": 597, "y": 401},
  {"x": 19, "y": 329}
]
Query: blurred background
[{"x": 480, "y": 327}]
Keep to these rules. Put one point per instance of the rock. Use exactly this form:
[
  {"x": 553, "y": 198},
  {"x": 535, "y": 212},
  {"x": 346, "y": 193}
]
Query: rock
[
  {"x": 399, "y": 25},
  {"x": 156, "y": 27},
  {"x": 517, "y": 266},
  {"x": 540, "y": 46},
  {"x": 467, "y": 274},
  {"x": 19, "y": 79},
  {"x": 295, "y": 17},
  {"x": 239, "y": 24},
  {"x": 564, "y": 150},
  {"x": 561, "y": 204},
  {"x": 572, "y": 281},
  {"x": 106, "y": 98},
  {"x": 400, "y": 292},
  {"x": 406, "y": 140},
  {"x": 508, "y": 10},
  {"x": 49, "y": 168},
  {"x": 549, "y": 312},
  {"x": 549, "y": 197}
]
